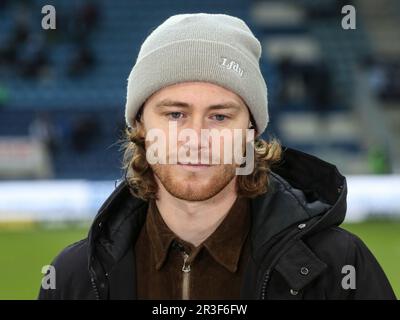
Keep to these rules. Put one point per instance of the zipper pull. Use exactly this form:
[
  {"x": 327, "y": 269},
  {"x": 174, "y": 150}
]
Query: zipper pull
[
  {"x": 185, "y": 277},
  {"x": 186, "y": 266}
]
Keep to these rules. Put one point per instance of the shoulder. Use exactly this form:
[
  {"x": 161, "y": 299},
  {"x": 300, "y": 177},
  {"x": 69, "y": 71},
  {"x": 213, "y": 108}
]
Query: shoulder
[
  {"x": 338, "y": 245},
  {"x": 345, "y": 254},
  {"x": 72, "y": 257},
  {"x": 338, "y": 238},
  {"x": 72, "y": 275}
]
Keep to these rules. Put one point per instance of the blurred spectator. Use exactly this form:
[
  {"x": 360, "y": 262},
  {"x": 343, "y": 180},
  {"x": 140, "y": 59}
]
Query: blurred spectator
[
  {"x": 391, "y": 90},
  {"x": 82, "y": 24},
  {"x": 85, "y": 131},
  {"x": 89, "y": 16},
  {"x": 33, "y": 59},
  {"x": 375, "y": 74},
  {"x": 82, "y": 62},
  {"x": 43, "y": 130},
  {"x": 305, "y": 84},
  {"x": 292, "y": 85},
  {"x": 319, "y": 87},
  {"x": 383, "y": 77},
  {"x": 84, "y": 21},
  {"x": 8, "y": 53}
]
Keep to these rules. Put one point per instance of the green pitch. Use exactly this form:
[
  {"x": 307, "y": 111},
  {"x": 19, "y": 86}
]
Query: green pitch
[{"x": 25, "y": 251}]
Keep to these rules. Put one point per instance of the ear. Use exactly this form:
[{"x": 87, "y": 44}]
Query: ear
[
  {"x": 139, "y": 127},
  {"x": 251, "y": 123},
  {"x": 251, "y": 126}
]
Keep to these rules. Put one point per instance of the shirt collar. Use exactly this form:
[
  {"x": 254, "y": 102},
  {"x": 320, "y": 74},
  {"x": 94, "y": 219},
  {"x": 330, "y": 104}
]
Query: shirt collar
[
  {"x": 160, "y": 235},
  {"x": 226, "y": 242}
]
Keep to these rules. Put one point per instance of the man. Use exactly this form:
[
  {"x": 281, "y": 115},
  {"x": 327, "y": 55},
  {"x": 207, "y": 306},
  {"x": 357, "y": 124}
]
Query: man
[{"x": 178, "y": 229}]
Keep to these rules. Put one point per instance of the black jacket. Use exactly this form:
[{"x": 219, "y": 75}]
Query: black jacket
[{"x": 297, "y": 249}]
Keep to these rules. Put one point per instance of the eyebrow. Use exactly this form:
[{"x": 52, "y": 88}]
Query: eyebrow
[{"x": 172, "y": 103}]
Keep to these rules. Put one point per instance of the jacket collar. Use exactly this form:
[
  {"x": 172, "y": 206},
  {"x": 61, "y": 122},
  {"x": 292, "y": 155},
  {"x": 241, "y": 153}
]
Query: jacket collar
[{"x": 302, "y": 188}]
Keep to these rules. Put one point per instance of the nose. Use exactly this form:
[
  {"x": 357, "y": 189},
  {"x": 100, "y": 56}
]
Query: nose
[
  {"x": 195, "y": 142},
  {"x": 196, "y": 125}
]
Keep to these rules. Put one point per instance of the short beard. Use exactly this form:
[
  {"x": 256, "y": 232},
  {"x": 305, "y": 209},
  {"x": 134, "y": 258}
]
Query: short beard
[{"x": 184, "y": 190}]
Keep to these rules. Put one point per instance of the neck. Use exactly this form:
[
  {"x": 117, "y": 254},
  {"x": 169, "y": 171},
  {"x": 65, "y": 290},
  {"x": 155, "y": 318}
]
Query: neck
[{"x": 195, "y": 221}]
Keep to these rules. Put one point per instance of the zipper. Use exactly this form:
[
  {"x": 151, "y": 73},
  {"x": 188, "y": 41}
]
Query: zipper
[
  {"x": 265, "y": 283},
  {"x": 275, "y": 260},
  {"x": 96, "y": 291},
  {"x": 185, "y": 276},
  {"x": 93, "y": 282}
]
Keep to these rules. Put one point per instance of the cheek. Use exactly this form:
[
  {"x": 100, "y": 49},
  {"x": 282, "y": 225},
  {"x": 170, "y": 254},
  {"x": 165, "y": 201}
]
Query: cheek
[
  {"x": 153, "y": 125},
  {"x": 152, "y": 119}
]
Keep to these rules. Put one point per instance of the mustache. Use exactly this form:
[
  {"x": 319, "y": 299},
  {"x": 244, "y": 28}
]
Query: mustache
[{"x": 195, "y": 155}]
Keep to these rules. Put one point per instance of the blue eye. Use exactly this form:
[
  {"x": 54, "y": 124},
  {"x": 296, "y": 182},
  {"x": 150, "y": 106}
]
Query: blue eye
[
  {"x": 175, "y": 115},
  {"x": 220, "y": 117}
]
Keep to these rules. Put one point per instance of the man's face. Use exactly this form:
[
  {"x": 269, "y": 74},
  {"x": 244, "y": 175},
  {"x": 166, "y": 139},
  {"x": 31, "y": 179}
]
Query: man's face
[{"x": 194, "y": 106}]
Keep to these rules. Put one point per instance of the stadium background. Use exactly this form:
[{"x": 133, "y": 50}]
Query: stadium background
[{"x": 334, "y": 93}]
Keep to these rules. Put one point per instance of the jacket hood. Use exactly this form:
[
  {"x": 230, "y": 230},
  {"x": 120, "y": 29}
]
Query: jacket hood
[{"x": 302, "y": 188}]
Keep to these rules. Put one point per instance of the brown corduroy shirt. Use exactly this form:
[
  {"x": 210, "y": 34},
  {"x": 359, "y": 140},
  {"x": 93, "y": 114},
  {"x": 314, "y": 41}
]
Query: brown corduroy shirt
[{"x": 171, "y": 268}]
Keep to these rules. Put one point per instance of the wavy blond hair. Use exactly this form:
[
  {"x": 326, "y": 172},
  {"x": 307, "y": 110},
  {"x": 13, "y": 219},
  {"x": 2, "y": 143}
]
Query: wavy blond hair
[{"x": 140, "y": 179}]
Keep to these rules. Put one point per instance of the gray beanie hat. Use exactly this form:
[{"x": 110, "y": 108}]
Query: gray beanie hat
[{"x": 215, "y": 48}]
